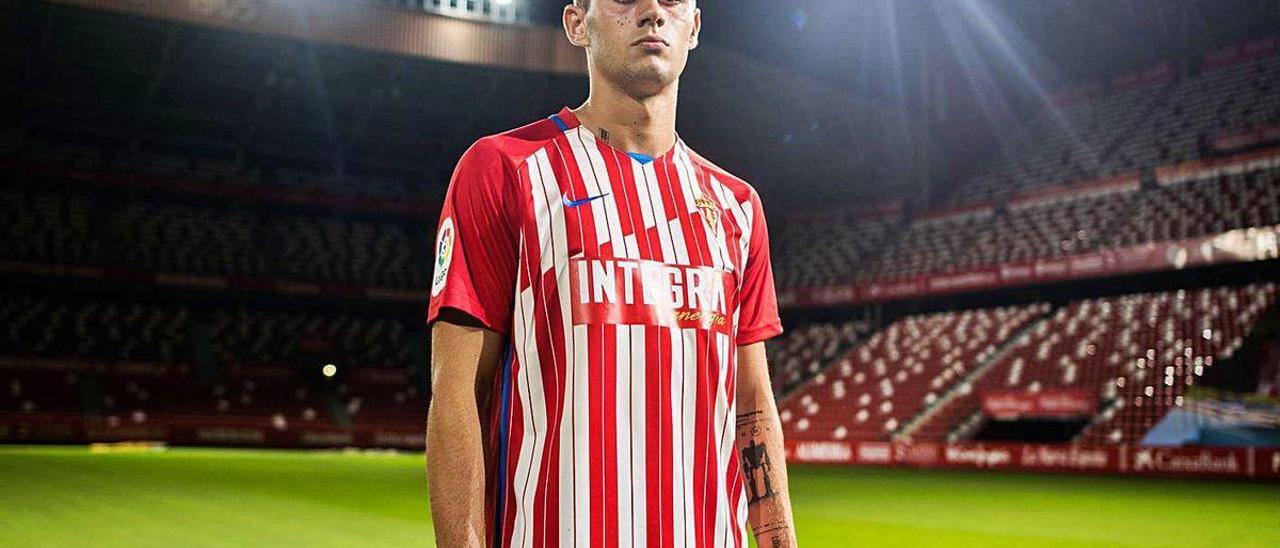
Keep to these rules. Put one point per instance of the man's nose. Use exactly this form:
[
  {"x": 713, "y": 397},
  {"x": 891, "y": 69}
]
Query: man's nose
[{"x": 651, "y": 13}]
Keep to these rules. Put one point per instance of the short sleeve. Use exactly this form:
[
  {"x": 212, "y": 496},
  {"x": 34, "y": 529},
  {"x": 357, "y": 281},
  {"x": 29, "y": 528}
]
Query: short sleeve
[
  {"x": 757, "y": 302},
  {"x": 475, "y": 254}
]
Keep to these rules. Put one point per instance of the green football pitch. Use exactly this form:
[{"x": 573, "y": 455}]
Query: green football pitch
[{"x": 68, "y": 496}]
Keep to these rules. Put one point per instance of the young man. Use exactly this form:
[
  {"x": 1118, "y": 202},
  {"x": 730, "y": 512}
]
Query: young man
[{"x": 600, "y": 299}]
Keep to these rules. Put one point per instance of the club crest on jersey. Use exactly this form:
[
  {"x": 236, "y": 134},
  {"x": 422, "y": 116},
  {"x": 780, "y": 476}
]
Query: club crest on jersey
[
  {"x": 710, "y": 211},
  {"x": 445, "y": 240}
]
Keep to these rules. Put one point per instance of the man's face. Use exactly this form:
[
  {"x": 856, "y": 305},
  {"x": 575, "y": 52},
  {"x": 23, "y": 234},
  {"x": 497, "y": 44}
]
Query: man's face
[{"x": 641, "y": 45}]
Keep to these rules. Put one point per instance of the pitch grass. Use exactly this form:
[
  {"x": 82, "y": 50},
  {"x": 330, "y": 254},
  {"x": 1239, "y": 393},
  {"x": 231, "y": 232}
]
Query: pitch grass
[{"x": 67, "y": 496}]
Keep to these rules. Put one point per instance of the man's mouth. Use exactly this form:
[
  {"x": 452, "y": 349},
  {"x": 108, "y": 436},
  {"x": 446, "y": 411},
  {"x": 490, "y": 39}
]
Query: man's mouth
[{"x": 651, "y": 43}]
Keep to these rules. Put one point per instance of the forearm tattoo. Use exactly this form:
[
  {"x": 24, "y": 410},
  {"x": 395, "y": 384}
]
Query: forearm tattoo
[
  {"x": 756, "y": 466},
  {"x": 760, "y": 476}
]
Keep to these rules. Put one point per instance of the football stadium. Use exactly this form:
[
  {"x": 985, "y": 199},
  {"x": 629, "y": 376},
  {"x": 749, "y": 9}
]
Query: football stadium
[{"x": 1025, "y": 256}]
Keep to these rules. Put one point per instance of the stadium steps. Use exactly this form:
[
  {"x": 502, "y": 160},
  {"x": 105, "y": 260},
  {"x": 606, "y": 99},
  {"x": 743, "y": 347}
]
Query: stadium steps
[
  {"x": 967, "y": 427},
  {"x": 1106, "y": 410},
  {"x": 971, "y": 379}
]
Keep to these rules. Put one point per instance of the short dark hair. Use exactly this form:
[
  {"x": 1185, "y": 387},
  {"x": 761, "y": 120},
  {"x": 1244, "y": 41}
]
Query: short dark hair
[{"x": 584, "y": 4}]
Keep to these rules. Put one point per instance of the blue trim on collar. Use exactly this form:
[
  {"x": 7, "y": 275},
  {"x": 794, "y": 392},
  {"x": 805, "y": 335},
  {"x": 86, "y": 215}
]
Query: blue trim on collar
[
  {"x": 644, "y": 158},
  {"x": 556, "y": 118}
]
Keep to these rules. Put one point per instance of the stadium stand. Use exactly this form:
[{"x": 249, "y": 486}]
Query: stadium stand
[
  {"x": 1175, "y": 356},
  {"x": 1203, "y": 207},
  {"x": 182, "y": 187},
  {"x": 109, "y": 358},
  {"x": 1071, "y": 183},
  {"x": 74, "y": 227},
  {"x": 930, "y": 244},
  {"x": 1203, "y": 107},
  {"x": 1109, "y": 217},
  {"x": 1073, "y": 224},
  {"x": 870, "y": 392},
  {"x": 242, "y": 336},
  {"x": 803, "y": 351},
  {"x": 1063, "y": 144},
  {"x": 1162, "y": 119},
  {"x": 922, "y": 377},
  {"x": 831, "y": 254}
]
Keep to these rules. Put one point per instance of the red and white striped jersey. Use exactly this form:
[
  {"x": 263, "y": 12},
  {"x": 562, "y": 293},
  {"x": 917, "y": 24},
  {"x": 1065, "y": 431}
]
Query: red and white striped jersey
[{"x": 623, "y": 286}]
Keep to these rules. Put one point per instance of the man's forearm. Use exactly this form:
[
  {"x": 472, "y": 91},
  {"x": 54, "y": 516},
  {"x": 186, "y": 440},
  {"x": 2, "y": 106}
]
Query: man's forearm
[
  {"x": 463, "y": 359},
  {"x": 764, "y": 471},
  {"x": 455, "y": 472}
]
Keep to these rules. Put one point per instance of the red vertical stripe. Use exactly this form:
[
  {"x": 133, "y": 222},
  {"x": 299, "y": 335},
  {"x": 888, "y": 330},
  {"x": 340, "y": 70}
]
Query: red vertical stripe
[
  {"x": 550, "y": 339},
  {"x": 595, "y": 378},
  {"x": 515, "y": 438},
  {"x": 608, "y": 524}
]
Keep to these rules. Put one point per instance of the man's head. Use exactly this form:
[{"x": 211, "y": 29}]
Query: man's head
[{"x": 639, "y": 45}]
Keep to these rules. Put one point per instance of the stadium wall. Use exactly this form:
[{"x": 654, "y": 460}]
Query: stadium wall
[
  {"x": 1203, "y": 462},
  {"x": 205, "y": 431},
  {"x": 1235, "y": 246},
  {"x": 1200, "y": 462}
]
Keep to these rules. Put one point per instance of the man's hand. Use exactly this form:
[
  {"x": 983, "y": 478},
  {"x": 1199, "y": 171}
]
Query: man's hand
[
  {"x": 464, "y": 358},
  {"x": 761, "y": 454}
]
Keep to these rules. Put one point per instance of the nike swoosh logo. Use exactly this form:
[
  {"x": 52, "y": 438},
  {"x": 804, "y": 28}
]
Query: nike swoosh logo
[{"x": 576, "y": 203}]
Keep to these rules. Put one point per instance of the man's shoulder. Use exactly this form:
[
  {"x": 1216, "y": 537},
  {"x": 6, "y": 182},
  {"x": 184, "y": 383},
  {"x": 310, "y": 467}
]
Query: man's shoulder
[
  {"x": 739, "y": 187},
  {"x": 514, "y": 145}
]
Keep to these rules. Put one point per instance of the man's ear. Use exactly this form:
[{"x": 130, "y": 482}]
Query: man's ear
[
  {"x": 575, "y": 26},
  {"x": 697, "y": 27}
]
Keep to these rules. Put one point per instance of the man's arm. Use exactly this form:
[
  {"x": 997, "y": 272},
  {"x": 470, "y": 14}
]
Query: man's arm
[
  {"x": 464, "y": 358},
  {"x": 763, "y": 459}
]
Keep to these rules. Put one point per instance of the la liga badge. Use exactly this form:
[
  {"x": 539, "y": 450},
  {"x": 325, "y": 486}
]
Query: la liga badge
[{"x": 445, "y": 240}]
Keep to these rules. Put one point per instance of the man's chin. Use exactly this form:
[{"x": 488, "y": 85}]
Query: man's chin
[{"x": 646, "y": 85}]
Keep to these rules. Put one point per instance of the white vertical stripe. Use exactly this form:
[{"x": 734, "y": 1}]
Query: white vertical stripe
[
  {"x": 622, "y": 417},
  {"x": 566, "y": 493},
  {"x": 677, "y": 236},
  {"x": 561, "y": 252},
  {"x": 542, "y": 211},
  {"x": 689, "y": 182},
  {"x": 715, "y": 475},
  {"x": 742, "y": 516},
  {"x": 579, "y": 385},
  {"x": 521, "y": 396},
  {"x": 677, "y": 464},
  {"x": 722, "y": 238},
  {"x": 608, "y": 204},
  {"x": 677, "y": 232},
  {"x": 551, "y": 220},
  {"x": 649, "y": 186},
  {"x": 639, "y": 412},
  {"x": 724, "y": 436},
  {"x": 580, "y": 407},
  {"x": 533, "y": 403},
  {"x": 732, "y": 207},
  {"x": 633, "y": 244},
  {"x": 642, "y": 193},
  {"x": 683, "y": 363},
  {"x": 748, "y": 217},
  {"x": 589, "y": 181},
  {"x": 689, "y": 429}
]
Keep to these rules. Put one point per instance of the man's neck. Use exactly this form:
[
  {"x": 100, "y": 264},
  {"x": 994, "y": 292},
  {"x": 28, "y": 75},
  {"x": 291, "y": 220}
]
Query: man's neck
[{"x": 646, "y": 126}]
